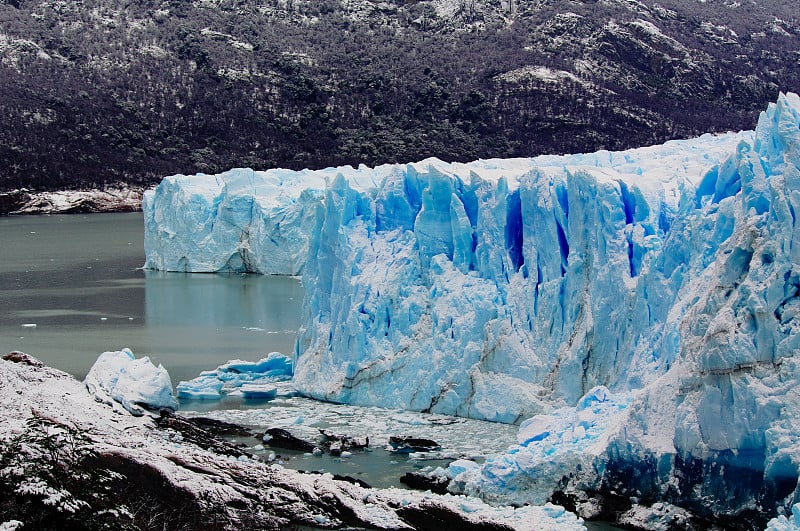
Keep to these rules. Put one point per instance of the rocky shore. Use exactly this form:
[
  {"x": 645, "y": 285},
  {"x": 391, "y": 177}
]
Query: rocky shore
[
  {"x": 111, "y": 199},
  {"x": 68, "y": 461}
]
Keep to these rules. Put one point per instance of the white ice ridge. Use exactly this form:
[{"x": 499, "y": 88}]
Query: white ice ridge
[
  {"x": 262, "y": 221},
  {"x": 118, "y": 378}
]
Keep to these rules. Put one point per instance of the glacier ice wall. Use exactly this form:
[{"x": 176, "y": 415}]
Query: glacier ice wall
[
  {"x": 504, "y": 289},
  {"x": 238, "y": 221},
  {"x": 501, "y": 289},
  {"x": 714, "y": 425}
]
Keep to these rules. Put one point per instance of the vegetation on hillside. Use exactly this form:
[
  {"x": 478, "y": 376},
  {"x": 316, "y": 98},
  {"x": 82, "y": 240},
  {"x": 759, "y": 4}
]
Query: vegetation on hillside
[{"x": 94, "y": 92}]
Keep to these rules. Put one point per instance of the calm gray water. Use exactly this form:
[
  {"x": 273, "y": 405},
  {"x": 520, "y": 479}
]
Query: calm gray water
[{"x": 77, "y": 278}]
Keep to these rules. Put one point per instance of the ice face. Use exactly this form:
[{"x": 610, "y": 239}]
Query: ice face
[
  {"x": 135, "y": 384},
  {"x": 239, "y": 221},
  {"x": 710, "y": 374},
  {"x": 506, "y": 289},
  {"x": 498, "y": 289}
]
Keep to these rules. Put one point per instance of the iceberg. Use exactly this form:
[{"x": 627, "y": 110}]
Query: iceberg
[
  {"x": 664, "y": 278},
  {"x": 118, "y": 378},
  {"x": 249, "y": 379}
]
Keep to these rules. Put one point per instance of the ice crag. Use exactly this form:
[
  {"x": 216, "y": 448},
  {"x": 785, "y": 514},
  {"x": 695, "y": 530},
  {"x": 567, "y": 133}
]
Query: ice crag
[
  {"x": 507, "y": 289},
  {"x": 118, "y": 378}
]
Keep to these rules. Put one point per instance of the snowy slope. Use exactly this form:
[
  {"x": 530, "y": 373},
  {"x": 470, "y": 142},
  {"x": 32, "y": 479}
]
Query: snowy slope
[{"x": 47, "y": 415}]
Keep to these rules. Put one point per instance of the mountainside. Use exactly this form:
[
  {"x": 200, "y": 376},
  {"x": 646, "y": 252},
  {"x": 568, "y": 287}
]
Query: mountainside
[{"x": 95, "y": 92}]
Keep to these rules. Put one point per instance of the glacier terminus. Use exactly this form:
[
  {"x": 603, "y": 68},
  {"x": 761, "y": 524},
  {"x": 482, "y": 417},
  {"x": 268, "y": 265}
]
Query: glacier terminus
[{"x": 636, "y": 311}]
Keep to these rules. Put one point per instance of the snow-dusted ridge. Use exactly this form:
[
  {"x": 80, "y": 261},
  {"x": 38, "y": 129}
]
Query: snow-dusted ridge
[
  {"x": 53, "y": 428},
  {"x": 110, "y": 199}
]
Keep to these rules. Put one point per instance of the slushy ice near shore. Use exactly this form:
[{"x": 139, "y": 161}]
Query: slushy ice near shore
[{"x": 505, "y": 289}]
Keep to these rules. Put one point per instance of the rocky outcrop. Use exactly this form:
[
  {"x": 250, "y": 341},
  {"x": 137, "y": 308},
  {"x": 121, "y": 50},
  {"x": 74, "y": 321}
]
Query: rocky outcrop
[
  {"x": 70, "y": 462},
  {"x": 71, "y": 201}
]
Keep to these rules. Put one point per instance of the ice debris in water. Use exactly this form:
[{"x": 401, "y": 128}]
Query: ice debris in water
[
  {"x": 569, "y": 438},
  {"x": 246, "y": 378},
  {"x": 136, "y": 384}
]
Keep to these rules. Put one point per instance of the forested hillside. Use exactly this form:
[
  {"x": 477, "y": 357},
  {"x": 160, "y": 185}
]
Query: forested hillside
[{"x": 95, "y": 92}]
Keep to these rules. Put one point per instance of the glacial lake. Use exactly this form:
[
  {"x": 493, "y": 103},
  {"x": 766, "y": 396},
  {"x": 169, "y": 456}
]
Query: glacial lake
[{"x": 72, "y": 287}]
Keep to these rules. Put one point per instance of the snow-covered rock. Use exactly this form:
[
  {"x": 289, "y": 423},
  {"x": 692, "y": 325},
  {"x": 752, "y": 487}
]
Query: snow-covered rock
[
  {"x": 136, "y": 384},
  {"x": 110, "y": 199},
  {"x": 154, "y": 476}
]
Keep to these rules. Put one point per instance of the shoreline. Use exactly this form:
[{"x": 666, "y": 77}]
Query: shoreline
[
  {"x": 105, "y": 200},
  {"x": 115, "y": 469}
]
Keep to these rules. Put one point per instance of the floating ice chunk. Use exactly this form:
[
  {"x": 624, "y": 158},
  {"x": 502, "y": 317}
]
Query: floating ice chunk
[
  {"x": 459, "y": 466},
  {"x": 204, "y": 387},
  {"x": 275, "y": 364},
  {"x": 248, "y": 379},
  {"x": 257, "y": 391},
  {"x": 136, "y": 384}
]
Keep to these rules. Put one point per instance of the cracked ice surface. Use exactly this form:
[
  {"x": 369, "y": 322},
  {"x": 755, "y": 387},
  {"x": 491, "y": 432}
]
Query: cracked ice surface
[{"x": 458, "y": 437}]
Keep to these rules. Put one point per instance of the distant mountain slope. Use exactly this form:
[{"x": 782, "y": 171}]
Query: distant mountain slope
[{"x": 93, "y": 92}]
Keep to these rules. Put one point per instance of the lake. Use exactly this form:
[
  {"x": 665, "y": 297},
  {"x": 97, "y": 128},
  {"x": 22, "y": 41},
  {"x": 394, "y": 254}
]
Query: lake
[{"x": 71, "y": 288}]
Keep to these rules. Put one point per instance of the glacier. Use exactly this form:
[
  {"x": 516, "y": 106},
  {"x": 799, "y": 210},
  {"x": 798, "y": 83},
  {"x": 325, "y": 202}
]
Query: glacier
[{"x": 512, "y": 289}]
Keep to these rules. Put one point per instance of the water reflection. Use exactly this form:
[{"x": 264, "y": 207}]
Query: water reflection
[
  {"x": 196, "y": 322},
  {"x": 78, "y": 279},
  {"x": 212, "y": 300}
]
